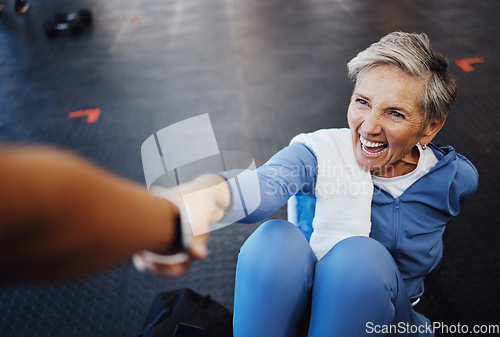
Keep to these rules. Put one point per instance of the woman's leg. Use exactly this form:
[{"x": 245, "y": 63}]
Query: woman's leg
[
  {"x": 273, "y": 278},
  {"x": 358, "y": 291}
]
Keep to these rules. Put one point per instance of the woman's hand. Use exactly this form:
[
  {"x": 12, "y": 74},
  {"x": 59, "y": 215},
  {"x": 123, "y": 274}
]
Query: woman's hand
[{"x": 203, "y": 202}]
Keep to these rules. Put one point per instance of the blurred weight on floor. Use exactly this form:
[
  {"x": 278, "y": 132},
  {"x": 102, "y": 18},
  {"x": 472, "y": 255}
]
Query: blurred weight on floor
[{"x": 74, "y": 22}]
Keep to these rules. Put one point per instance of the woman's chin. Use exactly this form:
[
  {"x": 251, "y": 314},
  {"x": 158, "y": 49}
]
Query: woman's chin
[{"x": 371, "y": 162}]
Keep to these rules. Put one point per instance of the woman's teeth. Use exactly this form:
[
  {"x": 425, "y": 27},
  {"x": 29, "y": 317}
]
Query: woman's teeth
[
  {"x": 372, "y": 148},
  {"x": 368, "y": 143}
]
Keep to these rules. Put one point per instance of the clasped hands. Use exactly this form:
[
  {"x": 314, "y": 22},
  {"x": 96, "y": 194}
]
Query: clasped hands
[{"x": 201, "y": 202}]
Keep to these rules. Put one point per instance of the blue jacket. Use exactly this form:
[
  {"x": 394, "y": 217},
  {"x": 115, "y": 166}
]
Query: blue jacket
[{"x": 410, "y": 227}]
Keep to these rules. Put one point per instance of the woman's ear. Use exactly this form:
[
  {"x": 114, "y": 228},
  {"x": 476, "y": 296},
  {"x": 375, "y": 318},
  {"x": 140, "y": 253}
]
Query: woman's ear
[{"x": 431, "y": 130}]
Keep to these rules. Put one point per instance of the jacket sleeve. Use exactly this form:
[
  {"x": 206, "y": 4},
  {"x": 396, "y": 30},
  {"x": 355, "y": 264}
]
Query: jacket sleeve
[
  {"x": 288, "y": 172},
  {"x": 467, "y": 179}
]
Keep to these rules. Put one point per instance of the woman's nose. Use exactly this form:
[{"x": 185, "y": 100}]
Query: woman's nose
[{"x": 371, "y": 124}]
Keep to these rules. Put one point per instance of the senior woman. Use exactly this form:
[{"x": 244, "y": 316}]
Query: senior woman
[{"x": 369, "y": 206}]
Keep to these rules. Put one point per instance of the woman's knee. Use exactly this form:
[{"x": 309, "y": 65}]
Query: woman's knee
[
  {"x": 360, "y": 259},
  {"x": 274, "y": 234},
  {"x": 360, "y": 248},
  {"x": 276, "y": 246}
]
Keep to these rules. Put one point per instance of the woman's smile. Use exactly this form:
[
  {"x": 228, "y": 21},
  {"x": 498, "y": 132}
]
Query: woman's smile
[{"x": 370, "y": 148}]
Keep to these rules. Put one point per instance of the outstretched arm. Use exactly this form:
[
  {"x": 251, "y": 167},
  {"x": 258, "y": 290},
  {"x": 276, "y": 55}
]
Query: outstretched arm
[
  {"x": 290, "y": 171},
  {"x": 61, "y": 216}
]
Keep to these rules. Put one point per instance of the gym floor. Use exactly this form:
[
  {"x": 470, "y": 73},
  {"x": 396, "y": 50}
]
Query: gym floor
[{"x": 264, "y": 71}]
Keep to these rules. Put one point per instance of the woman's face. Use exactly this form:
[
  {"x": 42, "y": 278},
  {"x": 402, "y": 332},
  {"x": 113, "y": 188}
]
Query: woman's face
[{"x": 385, "y": 119}]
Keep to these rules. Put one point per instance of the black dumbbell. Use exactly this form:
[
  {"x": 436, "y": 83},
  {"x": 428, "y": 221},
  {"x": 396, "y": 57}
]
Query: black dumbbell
[{"x": 74, "y": 22}]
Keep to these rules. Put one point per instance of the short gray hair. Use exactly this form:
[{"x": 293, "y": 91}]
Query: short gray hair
[{"x": 413, "y": 54}]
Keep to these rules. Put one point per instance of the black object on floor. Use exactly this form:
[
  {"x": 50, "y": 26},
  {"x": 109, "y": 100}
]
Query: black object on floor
[
  {"x": 74, "y": 22},
  {"x": 185, "y": 313}
]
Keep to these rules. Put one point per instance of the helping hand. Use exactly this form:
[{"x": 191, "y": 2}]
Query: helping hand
[{"x": 202, "y": 202}]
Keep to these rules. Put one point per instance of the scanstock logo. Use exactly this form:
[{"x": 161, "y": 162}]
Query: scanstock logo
[{"x": 182, "y": 151}]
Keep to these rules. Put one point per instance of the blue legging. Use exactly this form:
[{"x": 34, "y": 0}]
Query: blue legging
[{"x": 357, "y": 289}]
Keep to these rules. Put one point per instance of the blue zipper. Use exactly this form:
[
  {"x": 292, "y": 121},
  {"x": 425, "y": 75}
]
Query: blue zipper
[{"x": 396, "y": 224}]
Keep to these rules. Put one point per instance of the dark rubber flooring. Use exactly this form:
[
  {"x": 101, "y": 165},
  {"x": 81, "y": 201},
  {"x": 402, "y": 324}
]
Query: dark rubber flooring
[{"x": 264, "y": 71}]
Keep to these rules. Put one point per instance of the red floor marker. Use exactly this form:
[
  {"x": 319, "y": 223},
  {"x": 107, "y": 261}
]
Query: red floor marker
[
  {"x": 91, "y": 114},
  {"x": 465, "y": 64},
  {"x": 133, "y": 21}
]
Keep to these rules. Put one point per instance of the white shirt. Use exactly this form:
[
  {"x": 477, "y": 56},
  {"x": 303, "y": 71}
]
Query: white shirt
[{"x": 397, "y": 185}]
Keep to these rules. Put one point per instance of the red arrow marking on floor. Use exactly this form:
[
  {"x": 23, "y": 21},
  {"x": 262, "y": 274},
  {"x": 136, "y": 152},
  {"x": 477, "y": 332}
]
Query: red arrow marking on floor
[
  {"x": 465, "y": 64},
  {"x": 135, "y": 19},
  {"x": 92, "y": 114}
]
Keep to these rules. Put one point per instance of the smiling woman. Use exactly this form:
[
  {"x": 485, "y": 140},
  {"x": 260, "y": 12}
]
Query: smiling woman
[{"x": 366, "y": 228}]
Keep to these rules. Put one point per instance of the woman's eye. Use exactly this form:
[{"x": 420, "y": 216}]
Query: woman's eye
[
  {"x": 362, "y": 101},
  {"x": 397, "y": 114}
]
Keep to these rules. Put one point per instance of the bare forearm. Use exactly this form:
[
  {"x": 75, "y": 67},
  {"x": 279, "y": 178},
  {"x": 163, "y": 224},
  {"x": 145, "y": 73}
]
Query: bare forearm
[{"x": 62, "y": 217}]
